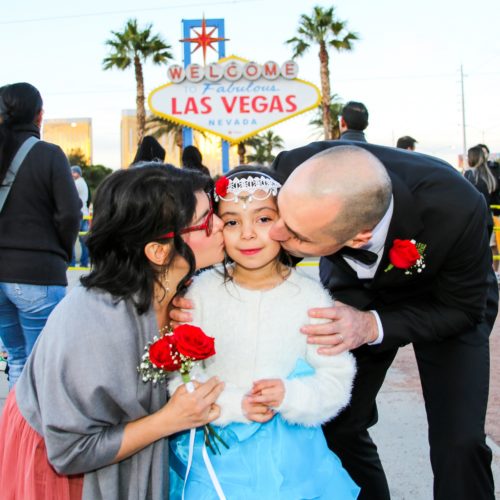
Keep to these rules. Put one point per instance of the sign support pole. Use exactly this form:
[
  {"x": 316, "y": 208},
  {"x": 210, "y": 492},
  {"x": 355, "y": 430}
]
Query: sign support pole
[{"x": 187, "y": 25}]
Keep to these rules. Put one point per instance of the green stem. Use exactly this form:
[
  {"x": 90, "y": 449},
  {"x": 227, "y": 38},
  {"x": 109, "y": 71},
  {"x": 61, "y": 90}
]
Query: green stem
[
  {"x": 212, "y": 432},
  {"x": 207, "y": 440}
]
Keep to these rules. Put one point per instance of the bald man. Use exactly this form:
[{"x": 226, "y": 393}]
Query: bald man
[{"x": 423, "y": 276}]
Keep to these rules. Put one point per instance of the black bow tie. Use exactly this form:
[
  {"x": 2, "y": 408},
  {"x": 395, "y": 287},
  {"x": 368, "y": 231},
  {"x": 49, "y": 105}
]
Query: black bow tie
[{"x": 363, "y": 256}]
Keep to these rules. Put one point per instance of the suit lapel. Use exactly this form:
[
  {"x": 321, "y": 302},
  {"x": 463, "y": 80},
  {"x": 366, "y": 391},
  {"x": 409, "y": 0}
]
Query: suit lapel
[{"x": 406, "y": 224}]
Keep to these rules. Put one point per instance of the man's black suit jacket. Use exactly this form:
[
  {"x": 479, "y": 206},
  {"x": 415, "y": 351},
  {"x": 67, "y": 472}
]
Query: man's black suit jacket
[{"x": 456, "y": 293}]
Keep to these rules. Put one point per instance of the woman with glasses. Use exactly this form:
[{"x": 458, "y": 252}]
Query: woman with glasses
[{"x": 81, "y": 422}]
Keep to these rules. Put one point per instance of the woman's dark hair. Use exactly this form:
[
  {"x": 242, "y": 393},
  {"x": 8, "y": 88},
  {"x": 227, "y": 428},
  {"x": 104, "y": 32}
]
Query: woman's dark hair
[
  {"x": 132, "y": 208},
  {"x": 192, "y": 158},
  {"x": 149, "y": 150},
  {"x": 479, "y": 164},
  {"x": 20, "y": 104},
  {"x": 254, "y": 170}
]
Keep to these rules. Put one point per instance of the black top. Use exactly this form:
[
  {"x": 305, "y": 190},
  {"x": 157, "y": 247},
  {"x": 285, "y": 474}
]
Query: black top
[
  {"x": 40, "y": 220},
  {"x": 353, "y": 135}
]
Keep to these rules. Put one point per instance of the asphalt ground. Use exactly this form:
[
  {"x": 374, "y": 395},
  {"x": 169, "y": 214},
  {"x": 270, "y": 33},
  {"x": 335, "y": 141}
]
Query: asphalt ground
[{"x": 401, "y": 433}]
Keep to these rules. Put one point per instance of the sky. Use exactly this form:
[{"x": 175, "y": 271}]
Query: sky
[{"x": 405, "y": 67}]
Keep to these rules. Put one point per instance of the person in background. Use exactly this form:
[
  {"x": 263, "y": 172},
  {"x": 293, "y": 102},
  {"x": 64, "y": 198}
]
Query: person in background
[
  {"x": 486, "y": 151},
  {"x": 82, "y": 423},
  {"x": 406, "y": 142},
  {"x": 4, "y": 367},
  {"x": 39, "y": 224},
  {"x": 353, "y": 122},
  {"x": 149, "y": 150},
  {"x": 83, "y": 193},
  {"x": 479, "y": 174},
  {"x": 482, "y": 178},
  {"x": 192, "y": 158},
  {"x": 494, "y": 168}
]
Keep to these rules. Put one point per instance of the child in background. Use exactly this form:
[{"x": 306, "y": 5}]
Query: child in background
[{"x": 278, "y": 389}]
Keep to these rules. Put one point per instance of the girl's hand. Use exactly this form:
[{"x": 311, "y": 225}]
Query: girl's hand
[
  {"x": 256, "y": 412},
  {"x": 269, "y": 392},
  {"x": 187, "y": 410}
]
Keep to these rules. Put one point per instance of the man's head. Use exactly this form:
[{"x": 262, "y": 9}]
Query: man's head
[
  {"x": 76, "y": 171},
  {"x": 406, "y": 142},
  {"x": 333, "y": 199},
  {"x": 354, "y": 116}
]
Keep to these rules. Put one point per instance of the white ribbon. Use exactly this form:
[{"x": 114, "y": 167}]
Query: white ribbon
[
  {"x": 192, "y": 433},
  {"x": 206, "y": 459}
]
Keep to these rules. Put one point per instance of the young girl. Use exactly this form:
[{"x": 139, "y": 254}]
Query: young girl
[{"x": 278, "y": 389}]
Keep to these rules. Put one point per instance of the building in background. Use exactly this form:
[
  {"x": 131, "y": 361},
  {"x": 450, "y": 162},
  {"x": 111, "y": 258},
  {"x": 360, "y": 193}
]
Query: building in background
[
  {"x": 128, "y": 137},
  {"x": 208, "y": 144},
  {"x": 73, "y": 135}
]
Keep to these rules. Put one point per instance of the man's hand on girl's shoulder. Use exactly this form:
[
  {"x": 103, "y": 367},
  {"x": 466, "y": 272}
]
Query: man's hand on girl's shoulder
[{"x": 179, "y": 313}]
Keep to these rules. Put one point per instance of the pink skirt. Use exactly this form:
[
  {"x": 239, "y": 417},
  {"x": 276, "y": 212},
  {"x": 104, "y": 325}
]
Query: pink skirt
[{"x": 25, "y": 471}]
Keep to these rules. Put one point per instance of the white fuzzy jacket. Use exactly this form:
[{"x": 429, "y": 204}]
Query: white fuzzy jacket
[{"x": 257, "y": 336}]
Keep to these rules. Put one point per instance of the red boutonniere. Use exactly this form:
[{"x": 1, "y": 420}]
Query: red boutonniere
[
  {"x": 221, "y": 186},
  {"x": 407, "y": 255},
  {"x": 179, "y": 350}
]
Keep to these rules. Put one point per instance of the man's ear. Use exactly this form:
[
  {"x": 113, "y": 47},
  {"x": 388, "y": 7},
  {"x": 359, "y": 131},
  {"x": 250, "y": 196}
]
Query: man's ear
[
  {"x": 157, "y": 253},
  {"x": 361, "y": 239}
]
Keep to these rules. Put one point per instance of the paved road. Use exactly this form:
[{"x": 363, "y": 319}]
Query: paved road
[{"x": 401, "y": 433}]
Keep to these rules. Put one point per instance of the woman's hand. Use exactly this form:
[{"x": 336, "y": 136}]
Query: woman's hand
[
  {"x": 265, "y": 395},
  {"x": 186, "y": 410}
]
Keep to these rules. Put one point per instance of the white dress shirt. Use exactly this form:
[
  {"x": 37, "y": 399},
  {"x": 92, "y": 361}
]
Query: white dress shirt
[{"x": 375, "y": 245}]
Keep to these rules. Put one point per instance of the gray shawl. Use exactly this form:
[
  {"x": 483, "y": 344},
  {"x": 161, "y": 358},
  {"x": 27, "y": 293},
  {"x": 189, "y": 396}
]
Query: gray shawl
[{"x": 81, "y": 386}]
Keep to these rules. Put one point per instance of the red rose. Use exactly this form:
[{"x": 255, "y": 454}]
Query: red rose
[
  {"x": 192, "y": 342},
  {"x": 221, "y": 186},
  {"x": 403, "y": 254},
  {"x": 164, "y": 355}
]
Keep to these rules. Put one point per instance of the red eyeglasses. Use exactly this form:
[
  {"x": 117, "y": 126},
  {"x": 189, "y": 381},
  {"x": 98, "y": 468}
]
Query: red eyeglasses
[{"x": 206, "y": 225}]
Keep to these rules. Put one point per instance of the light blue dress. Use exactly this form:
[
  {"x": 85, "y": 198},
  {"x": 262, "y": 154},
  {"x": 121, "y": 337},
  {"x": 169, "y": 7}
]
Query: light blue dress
[{"x": 272, "y": 461}]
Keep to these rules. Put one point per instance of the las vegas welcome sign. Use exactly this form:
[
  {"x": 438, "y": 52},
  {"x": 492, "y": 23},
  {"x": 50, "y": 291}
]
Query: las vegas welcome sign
[{"x": 233, "y": 98}]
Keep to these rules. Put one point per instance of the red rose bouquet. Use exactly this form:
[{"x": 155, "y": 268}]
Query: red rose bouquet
[{"x": 179, "y": 350}]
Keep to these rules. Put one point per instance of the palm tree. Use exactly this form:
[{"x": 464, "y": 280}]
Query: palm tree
[
  {"x": 242, "y": 151},
  {"x": 259, "y": 156},
  {"x": 77, "y": 157},
  {"x": 324, "y": 29},
  {"x": 335, "y": 110},
  {"x": 264, "y": 144},
  {"x": 253, "y": 142},
  {"x": 133, "y": 47},
  {"x": 270, "y": 141}
]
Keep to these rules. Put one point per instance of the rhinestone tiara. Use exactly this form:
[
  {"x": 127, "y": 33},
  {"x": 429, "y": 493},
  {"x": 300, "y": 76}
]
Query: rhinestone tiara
[{"x": 249, "y": 185}]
